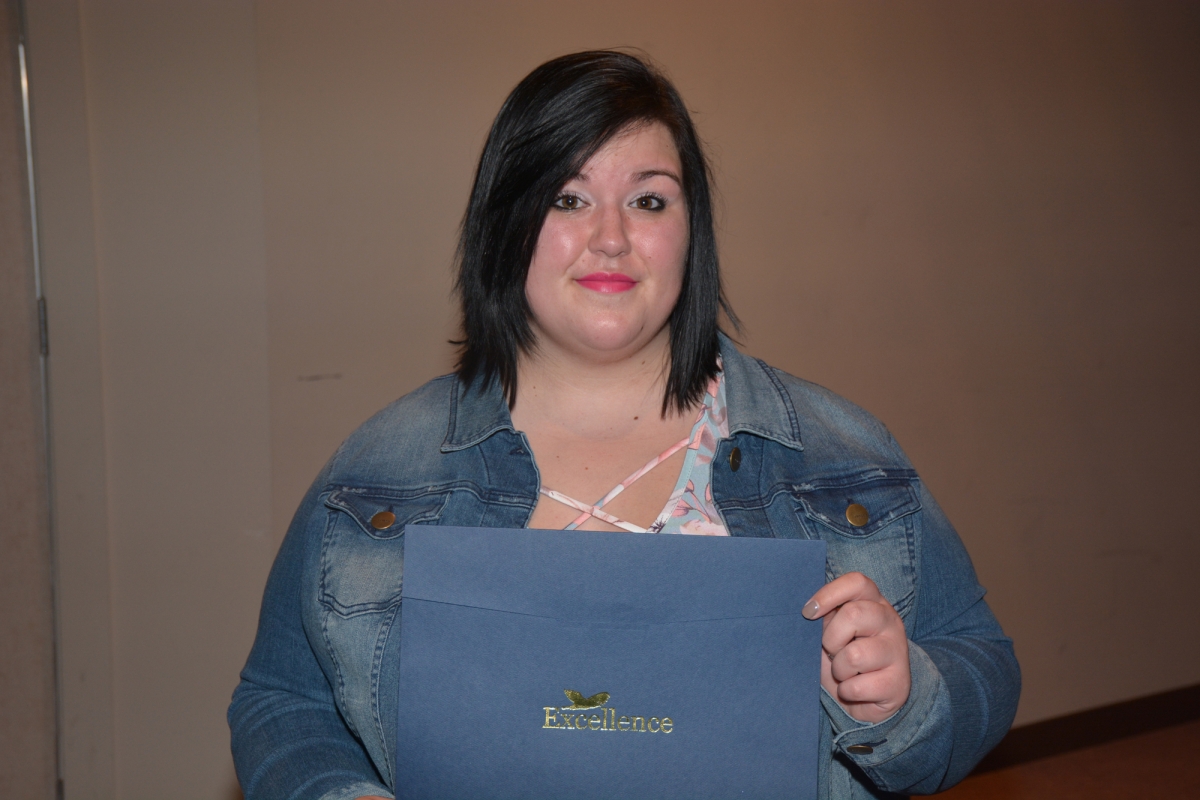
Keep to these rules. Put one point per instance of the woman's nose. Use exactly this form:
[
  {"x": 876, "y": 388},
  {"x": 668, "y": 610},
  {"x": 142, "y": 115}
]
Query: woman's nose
[{"x": 609, "y": 237}]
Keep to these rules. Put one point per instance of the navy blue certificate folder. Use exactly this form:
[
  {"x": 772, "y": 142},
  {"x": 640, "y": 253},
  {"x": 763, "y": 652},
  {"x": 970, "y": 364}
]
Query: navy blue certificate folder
[{"x": 582, "y": 664}]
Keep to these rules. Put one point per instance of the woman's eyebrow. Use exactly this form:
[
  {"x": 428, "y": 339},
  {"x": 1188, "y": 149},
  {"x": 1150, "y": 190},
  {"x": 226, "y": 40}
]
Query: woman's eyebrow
[{"x": 638, "y": 177}]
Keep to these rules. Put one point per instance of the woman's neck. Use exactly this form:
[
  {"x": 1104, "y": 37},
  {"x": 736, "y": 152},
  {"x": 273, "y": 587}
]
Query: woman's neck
[{"x": 594, "y": 398}]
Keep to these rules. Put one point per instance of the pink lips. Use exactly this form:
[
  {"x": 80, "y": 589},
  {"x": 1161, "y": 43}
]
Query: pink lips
[{"x": 607, "y": 282}]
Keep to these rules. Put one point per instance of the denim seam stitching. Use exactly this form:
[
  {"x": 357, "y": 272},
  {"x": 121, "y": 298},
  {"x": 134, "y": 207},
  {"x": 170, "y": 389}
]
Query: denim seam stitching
[
  {"x": 376, "y": 672},
  {"x": 759, "y": 503},
  {"x": 337, "y": 671}
]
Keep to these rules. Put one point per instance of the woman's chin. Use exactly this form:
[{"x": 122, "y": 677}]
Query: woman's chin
[
  {"x": 611, "y": 346},
  {"x": 601, "y": 337}
]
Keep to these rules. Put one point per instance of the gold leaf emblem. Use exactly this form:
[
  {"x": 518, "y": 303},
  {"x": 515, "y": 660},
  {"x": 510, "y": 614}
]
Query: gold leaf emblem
[{"x": 579, "y": 701}]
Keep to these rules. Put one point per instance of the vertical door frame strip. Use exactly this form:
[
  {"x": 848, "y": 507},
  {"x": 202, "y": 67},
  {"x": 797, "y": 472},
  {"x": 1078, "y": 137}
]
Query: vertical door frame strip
[{"x": 44, "y": 353}]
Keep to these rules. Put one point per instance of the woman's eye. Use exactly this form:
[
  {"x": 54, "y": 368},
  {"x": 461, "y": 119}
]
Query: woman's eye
[
  {"x": 649, "y": 202},
  {"x": 569, "y": 202}
]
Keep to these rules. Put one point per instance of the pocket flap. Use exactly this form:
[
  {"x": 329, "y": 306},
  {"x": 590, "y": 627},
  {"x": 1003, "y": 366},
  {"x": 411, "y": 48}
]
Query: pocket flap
[
  {"x": 362, "y": 552},
  {"x": 859, "y": 508},
  {"x": 383, "y": 516}
]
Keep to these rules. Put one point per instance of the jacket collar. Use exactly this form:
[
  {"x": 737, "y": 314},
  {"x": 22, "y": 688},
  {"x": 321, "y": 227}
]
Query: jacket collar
[
  {"x": 476, "y": 412},
  {"x": 757, "y": 401},
  {"x": 755, "y": 397}
]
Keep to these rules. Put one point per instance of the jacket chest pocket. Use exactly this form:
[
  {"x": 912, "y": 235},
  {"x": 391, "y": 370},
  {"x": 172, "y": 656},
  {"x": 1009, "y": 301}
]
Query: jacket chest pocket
[
  {"x": 867, "y": 525},
  {"x": 362, "y": 553}
]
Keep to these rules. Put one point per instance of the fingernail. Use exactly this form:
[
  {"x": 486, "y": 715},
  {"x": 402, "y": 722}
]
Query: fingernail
[{"x": 810, "y": 609}]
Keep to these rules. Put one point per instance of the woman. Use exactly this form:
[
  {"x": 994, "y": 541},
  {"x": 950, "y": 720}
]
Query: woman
[{"x": 592, "y": 367}]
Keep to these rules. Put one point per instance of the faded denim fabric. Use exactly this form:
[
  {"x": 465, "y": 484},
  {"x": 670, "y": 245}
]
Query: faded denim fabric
[{"x": 314, "y": 715}]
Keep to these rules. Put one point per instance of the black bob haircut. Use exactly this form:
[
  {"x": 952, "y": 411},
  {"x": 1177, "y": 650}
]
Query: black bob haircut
[{"x": 547, "y": 129}]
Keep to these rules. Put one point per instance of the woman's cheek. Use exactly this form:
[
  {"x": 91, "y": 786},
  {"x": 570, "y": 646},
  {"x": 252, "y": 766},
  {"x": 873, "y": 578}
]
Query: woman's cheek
[
  {"x": 665, "y": 245},
  {"x": 558, "y": 247}
]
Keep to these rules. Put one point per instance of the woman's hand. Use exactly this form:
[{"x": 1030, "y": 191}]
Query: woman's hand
[{"x": 864, "y": 658}]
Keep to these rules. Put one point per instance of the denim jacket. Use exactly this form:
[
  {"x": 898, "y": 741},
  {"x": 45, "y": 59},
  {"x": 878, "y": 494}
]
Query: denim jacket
[{"x": 314, "y": 715}]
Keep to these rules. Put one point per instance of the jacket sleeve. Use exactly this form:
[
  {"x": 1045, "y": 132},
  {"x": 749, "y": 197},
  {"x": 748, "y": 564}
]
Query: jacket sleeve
[
  {"x": 965, "y": 677},
  {"x": 288, "y": 737}
]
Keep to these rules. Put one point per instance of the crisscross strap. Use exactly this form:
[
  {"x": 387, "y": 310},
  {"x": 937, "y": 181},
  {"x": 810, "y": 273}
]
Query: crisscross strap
[
  {"x": 690, "y": 510},
  {"x": 596, "y": 510}
]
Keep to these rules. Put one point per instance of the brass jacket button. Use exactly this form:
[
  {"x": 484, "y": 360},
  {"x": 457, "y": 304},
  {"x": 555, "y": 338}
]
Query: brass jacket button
[
  {"x": 735, "y": 458},
  {"x": 382, "y": 520},
  {"x": 860, "y": 749},
  {"x": 856, "y": 515}
]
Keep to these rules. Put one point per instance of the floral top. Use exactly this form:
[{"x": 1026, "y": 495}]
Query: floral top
[{"x": 690, "y": 508}]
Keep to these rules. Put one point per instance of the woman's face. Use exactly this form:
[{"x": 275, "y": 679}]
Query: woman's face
[{"x": 609, "y": 261}]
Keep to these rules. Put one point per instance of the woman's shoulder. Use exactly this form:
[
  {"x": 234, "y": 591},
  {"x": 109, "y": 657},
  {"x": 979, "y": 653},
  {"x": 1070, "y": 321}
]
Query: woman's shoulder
[
  {"x": 815, "y": 402},
  {"x": 400, "y": 432},
  {"x": 791, "y": 409},
  {"x": 830, "y": 421}
]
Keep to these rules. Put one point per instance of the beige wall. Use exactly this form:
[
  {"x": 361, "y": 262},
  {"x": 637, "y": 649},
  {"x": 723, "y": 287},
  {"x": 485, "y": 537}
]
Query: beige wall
[
  {"x": 979, "y": 221},
  {"x": 164, "y": 260}
]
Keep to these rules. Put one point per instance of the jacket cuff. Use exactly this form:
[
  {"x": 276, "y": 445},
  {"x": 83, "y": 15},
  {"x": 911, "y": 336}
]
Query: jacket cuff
[
  {"x": 924, "y": 718},
  {"x": 357, "y": 790}
]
